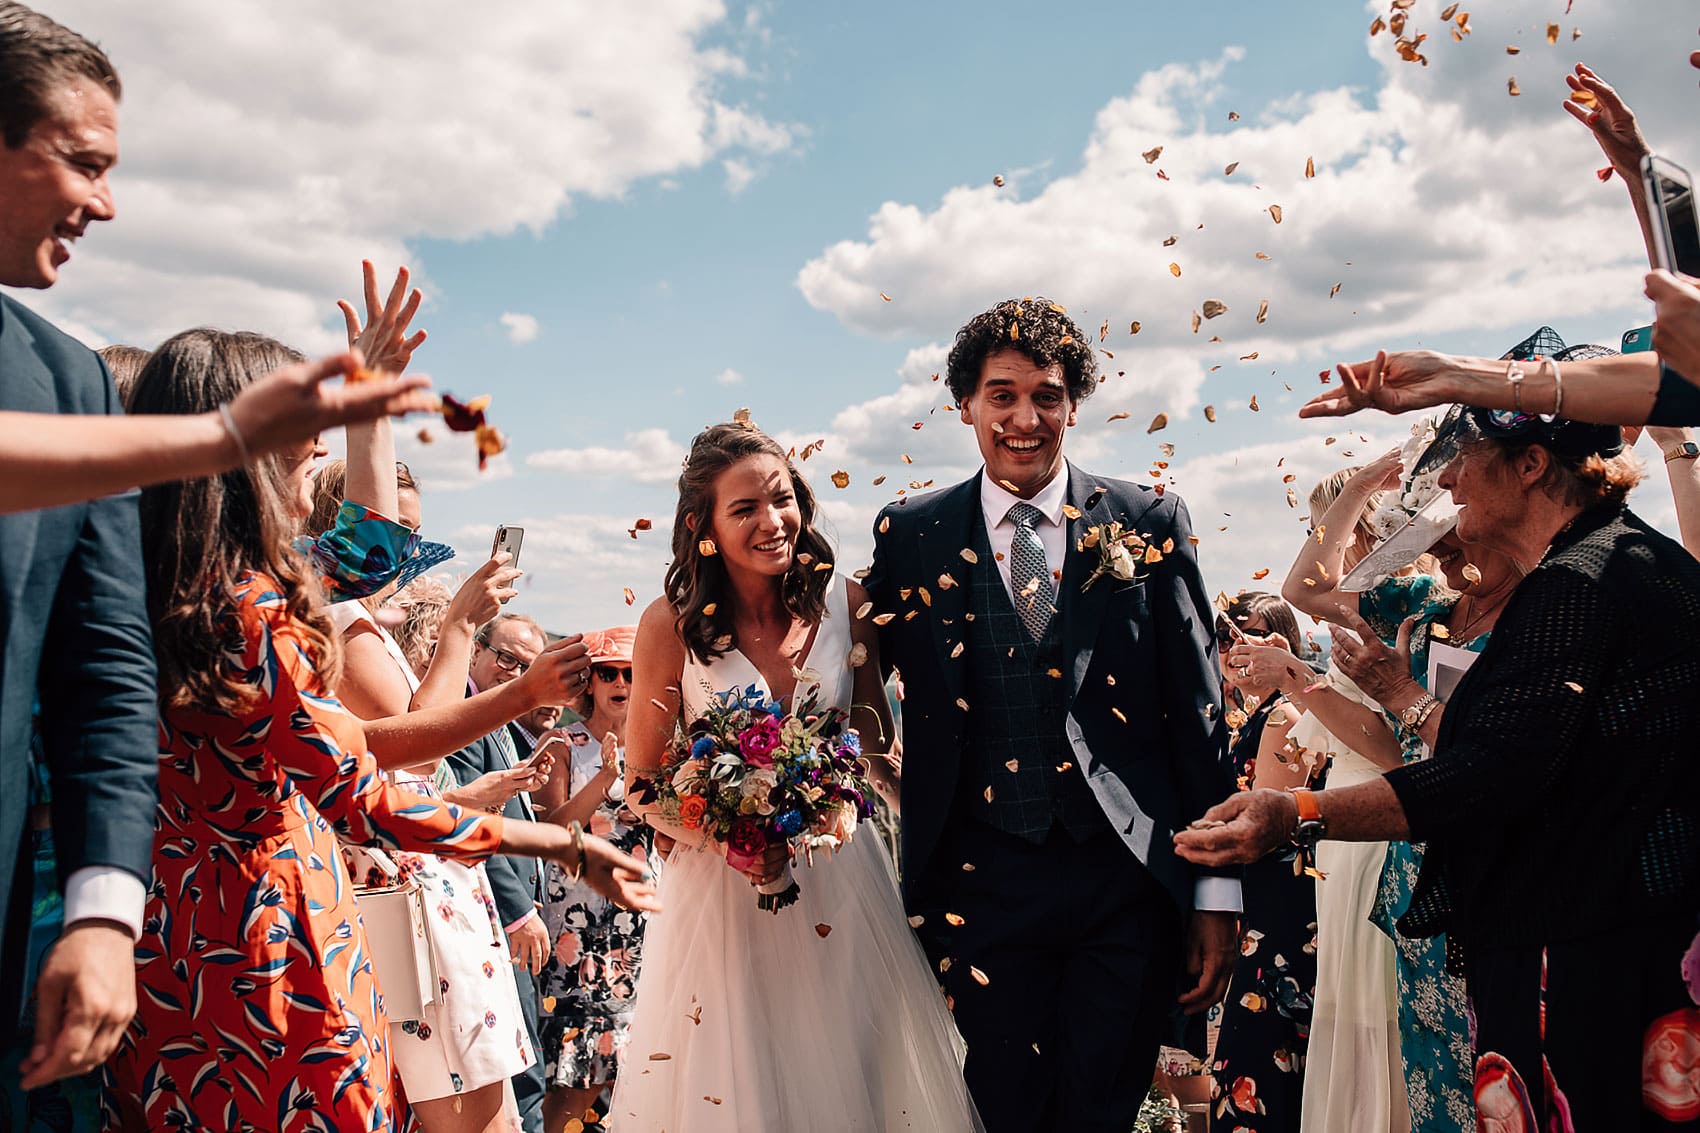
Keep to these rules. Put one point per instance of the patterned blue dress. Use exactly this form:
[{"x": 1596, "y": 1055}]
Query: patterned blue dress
[{"x": 1434, "y": 1030}]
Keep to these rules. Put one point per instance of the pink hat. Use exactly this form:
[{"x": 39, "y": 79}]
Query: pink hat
[{"x": 608, "y": 646}]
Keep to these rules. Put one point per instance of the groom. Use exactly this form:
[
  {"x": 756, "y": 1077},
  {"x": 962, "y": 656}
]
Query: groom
[{"x": 1058, "y": 729}]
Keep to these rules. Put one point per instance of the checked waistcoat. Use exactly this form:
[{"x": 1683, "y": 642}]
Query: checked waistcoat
[{"x": 1018, "y": 713}]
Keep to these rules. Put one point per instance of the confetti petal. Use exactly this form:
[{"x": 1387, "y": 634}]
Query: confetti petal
[{"x": 1161, "y": 421}]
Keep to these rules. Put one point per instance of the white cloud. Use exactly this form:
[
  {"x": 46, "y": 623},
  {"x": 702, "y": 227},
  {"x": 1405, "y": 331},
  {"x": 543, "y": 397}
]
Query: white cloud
[
  {"x": 520, "y": 328},
  {"x": 269, "y": 149},
  {"x": 650, "y": 456},
  {"x": 729, "y": 377},
  {"x": 739, "y": 174}
]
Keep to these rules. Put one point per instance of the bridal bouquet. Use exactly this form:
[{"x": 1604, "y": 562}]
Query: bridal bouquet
[{"x": 753, "y": 776}]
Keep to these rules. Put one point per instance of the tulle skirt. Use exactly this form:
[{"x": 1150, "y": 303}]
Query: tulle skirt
[{"x": 822, "y": 1016}]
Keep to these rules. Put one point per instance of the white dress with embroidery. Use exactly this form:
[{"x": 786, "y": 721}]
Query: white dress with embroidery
[
  {"x": 824, "y": 1015},
  {"x": 474, "y": 1035}
]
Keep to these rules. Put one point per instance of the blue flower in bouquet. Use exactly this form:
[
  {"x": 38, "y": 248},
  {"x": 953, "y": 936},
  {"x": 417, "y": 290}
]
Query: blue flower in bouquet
[
  {"x": 852, "y": 742},
  {"x": 703, "y": 747},
  {"x": 790, "y": 822}
]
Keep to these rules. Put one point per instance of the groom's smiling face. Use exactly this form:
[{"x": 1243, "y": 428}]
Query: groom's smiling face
[{"x": 1019, "y": 411}]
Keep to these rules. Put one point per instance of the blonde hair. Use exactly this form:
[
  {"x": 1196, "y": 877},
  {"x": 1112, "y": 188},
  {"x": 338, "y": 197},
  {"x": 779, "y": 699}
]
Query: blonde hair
[{"x": 423, "y": 603}]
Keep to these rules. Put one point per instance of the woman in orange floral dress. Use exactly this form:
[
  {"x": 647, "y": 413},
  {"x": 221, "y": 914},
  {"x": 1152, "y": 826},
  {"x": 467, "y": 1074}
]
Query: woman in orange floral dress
[{"x": 257, "y": 1005}]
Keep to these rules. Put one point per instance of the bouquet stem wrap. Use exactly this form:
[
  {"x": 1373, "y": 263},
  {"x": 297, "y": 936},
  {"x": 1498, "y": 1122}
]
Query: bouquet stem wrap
[{"x": 780, "y": 893}]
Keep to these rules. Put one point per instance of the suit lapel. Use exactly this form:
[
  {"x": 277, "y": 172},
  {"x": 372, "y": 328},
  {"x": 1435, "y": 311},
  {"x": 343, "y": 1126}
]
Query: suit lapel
[
  {"x": 941, "y": 549},
  {"x": 1083, "y": 608}
]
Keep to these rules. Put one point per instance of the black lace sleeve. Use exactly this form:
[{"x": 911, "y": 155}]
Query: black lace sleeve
[{"x": 1677, "y": 402}]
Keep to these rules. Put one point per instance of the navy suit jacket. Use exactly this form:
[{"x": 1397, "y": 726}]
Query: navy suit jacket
[
  {"x": 74, "y": 612},
  {"x": 516, "y": 883},
  {"x": 1144, "y": 691}
]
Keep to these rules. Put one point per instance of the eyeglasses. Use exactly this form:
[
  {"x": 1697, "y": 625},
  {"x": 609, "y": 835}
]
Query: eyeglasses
[
  {"x": 608, "y": 674},
  {"x": 507, "y": 662}
]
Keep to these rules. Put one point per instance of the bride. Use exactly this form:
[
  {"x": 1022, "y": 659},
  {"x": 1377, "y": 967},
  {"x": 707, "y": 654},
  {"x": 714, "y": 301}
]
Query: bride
[{"x": 823, "y": 1014}]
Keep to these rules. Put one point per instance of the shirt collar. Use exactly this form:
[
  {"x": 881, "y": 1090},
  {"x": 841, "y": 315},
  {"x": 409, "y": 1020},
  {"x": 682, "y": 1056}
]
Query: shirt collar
[{"x": 996, "y": 500}]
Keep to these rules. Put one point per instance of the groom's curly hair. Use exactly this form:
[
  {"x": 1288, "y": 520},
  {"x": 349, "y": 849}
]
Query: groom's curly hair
[
  {"x": 1033, "y": 326},
  {"x": 696, "y": 579}
]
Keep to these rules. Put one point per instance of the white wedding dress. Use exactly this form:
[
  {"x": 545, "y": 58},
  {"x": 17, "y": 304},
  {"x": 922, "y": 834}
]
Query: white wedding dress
[
  {"x": 823, "y": 1015},
  {"x": 1354, "y": 1075}
]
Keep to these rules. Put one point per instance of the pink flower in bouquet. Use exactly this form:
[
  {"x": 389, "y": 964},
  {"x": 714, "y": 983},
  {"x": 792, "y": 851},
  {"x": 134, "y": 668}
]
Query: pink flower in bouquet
[
  {"x": 758, "y": 741},
  {"x": 745, "y": 844},
  {"x": 1691, "y": 970},
  {"x": 691, "y": 810}
]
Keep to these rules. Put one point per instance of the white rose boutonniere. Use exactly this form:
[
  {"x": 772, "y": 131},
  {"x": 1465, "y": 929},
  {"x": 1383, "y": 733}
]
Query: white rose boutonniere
[{"x": 1120, "y": 552}]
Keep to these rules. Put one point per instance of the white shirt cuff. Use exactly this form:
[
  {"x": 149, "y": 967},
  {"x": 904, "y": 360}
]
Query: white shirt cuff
[
  {"x": 1217, "y": 895},
  {"x": 529, "y": 916},
  {"x": 103, "y": 892}
]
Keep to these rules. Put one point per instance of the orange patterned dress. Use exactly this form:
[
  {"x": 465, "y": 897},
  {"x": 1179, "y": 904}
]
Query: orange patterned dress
[{"x": 257, "y": 1006}]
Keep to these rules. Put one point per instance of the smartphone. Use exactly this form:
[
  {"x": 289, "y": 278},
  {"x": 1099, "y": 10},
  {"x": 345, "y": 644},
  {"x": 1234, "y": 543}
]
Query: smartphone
[
  {"x": 1637, "y": 340},
  {"x": 1670, "y": 202},
  {"x": 508, "y": 539}
]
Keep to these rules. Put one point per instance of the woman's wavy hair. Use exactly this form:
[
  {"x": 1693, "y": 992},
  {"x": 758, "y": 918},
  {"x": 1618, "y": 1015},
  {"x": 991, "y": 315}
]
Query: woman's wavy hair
[
  {"x": 696, "y": 581},
  {"x": 199, "y": 537}
]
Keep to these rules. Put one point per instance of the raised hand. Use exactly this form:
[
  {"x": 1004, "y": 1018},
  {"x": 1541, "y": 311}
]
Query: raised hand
[
  {"x": 481, "y": 596},
  {"x": 384, "y": 341},
  {"x": 1676, "y": 321},
  {"x": 1612, "y": 123},
  {"x": 1393, "y": 383},
  {"x": 559, "y": 673},
  {"x": 1268, "y": 665},
  {"x": 1383, "y": 674},
  {"x": 294, "y": 403}
]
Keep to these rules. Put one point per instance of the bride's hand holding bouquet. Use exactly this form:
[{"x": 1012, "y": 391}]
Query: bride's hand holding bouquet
[{"x": 760, "y": 783}]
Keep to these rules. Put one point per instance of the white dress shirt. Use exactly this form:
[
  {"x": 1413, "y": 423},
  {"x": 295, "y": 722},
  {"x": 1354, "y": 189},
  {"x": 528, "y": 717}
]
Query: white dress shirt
[
  {"x": 105, "y": 893},
  {"x": 1212, "y": 894}
]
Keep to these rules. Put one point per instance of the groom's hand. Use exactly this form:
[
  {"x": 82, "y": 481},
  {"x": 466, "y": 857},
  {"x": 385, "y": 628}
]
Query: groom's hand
[{"x": 1212, "y": 940}]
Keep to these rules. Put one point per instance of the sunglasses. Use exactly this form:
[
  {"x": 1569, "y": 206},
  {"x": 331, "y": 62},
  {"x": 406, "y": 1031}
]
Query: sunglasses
[
  {"x": 1226, "y": 635},
  {"x": 608, "y": 674}
]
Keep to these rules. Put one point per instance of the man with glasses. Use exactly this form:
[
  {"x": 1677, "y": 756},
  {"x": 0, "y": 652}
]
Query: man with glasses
[{"x": 504, "y": 649}]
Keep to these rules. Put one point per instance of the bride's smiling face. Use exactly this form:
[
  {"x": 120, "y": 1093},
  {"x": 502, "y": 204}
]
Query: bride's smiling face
[{"x": 756, "y": 518}]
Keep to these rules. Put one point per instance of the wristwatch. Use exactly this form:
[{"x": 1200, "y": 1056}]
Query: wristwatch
[
  {"x": 1687, "y": 450},
  {"x": 1414, "y": 716},
  {"x": 1311, "y": 827}
]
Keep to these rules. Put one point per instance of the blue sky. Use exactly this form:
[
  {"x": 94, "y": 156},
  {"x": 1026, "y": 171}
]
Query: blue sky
[{"x": 698, "y": 204}]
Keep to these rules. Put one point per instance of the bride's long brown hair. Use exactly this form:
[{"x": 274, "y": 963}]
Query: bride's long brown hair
[
  {"x": 200, "y": 536},
  {"x": 696, "y": 582}
]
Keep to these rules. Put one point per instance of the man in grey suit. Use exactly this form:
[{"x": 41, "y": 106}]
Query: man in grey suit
[{"x": 77, "y": 644}]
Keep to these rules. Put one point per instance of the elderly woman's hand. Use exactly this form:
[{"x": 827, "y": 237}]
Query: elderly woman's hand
[
  {"x": 1241, "y": 829},
  {"x": 1612, "y": 122},
  {"x": 1393, "y": 383},
  {"x": 1383, "y": 674},
  {"x": 1676, "y": 321}
]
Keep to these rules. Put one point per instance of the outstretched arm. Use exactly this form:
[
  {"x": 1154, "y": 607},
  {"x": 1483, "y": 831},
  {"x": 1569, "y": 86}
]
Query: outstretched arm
[
  {"x": 48, "y": 460},
  {"x": 1312, "y": 582}
]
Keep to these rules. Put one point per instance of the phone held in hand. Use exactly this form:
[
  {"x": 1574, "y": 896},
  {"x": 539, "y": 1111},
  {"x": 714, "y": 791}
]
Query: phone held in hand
[
  {"x": 1669, "y": 192},
  {"x": 1637, "y": 340},
  {"x": 509, "y": 539}
]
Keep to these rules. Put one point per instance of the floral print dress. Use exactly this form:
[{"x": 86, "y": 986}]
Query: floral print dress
[
  {"x": 257, "y": 1008},
  {"x": 1434, "y": 1027},
  {"x": 1258, "y": 1063},
  {"x": 589, "y": 982}
]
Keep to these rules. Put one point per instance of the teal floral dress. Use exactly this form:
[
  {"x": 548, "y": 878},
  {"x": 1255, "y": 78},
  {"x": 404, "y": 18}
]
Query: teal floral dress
[{"x": 1434, "y": 1030}]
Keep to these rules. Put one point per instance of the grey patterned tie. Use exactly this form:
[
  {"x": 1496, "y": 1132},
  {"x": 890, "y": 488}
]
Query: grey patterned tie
[{"x": 1030, "y": 580}]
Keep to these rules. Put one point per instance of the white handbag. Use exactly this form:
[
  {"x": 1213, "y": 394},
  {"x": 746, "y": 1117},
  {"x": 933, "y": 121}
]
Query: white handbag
[{"x": 398, "y": 939}]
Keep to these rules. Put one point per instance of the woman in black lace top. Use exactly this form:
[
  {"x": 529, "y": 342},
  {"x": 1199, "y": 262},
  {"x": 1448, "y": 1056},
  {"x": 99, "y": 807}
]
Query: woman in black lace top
[{"x": 1562, "y": 805}]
